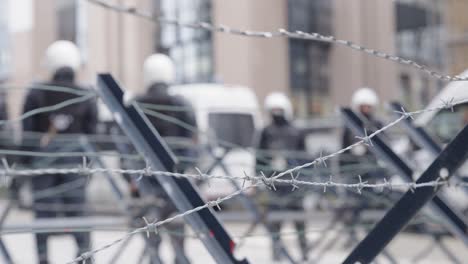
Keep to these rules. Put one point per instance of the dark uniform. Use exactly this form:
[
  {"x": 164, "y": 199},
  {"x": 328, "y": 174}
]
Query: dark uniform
[
  {"x": 76, "y": 118},
  {"x": 359, "y": 161},
  {"x": 275, "y": 140},
  {"x": 158, "y": 95},
  {"x": 361, "y": 155},
  {"x": 6, "y": 141}
]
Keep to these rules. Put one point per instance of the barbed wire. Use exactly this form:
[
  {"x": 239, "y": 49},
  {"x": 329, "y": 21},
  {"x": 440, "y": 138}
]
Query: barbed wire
[
  {"x": 47, "y": 87},
  {"x": 269, "y": 182},
  {"x": 49, "y": 108},
  {"x": 59, "y": 189},
  {"x": 132, "y": 10},
  {"x": 153, "y": 226},
  {"x": 262, "y": 180},
  {"x": 445, "y": 104},
  {"x": 94, "y": 138},
  {"x": 254, "y": 180},
  {"x": 59, "y": 154}
]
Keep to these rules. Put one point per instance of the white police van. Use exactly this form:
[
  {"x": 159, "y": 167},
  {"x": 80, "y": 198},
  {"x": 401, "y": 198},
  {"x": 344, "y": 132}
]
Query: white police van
[{"x": 228, "y": 117}]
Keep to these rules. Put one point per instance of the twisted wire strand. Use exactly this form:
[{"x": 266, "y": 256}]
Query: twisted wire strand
[
  {"x": 48, "y": 87},
  {"x": 49, "y": 108},
  {"x": 261, "y": 180},
  {"x": 67, "y": 154}
]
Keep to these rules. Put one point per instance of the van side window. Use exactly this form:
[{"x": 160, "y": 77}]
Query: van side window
[
  {"x": 235, "y": 128},
  {"x": 446, "y": 124}
]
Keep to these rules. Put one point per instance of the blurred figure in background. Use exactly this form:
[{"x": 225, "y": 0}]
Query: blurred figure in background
[
  {"x": 6, "y": 139},
  {"x": 363, "y": 102},
  {"x": 63, "y": 61},
  {"x": 276, "y": 140},
  {"x": 360, "y": 160},
  {"x": 159, "y": 74}
]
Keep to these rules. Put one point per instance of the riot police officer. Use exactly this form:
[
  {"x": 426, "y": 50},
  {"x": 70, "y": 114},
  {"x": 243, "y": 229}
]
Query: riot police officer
[
  {"x": 364, "y": 101},
  {"x": 63, "y": 60},
  {"x": 158, "y": 75},
  {"x": 276, "y": 141}
]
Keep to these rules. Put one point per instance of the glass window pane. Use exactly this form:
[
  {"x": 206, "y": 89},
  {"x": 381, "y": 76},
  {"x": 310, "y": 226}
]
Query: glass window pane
[
  {"x": 190, "y": 48},
  {"x": 226, "y": 127},
  {"x": 66, "y": 17}
]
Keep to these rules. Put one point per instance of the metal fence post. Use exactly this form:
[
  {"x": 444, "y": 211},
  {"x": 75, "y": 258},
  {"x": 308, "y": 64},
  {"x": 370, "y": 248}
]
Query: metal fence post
[
  {"x": 249, "y": 204},
  {"x": 448, "y": 161},
  {"x": 149, "y": 144}
]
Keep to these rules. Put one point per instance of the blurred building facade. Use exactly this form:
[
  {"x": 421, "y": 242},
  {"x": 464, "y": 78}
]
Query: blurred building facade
[
  {"x": 457, "y": 24},
  {"x": 317, "y": 75},
  {"x": 421, "y": 34},
  {"x": 4, "y": 42}
]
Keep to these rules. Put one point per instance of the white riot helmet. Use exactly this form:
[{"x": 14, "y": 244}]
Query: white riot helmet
[
  {"x": 158, "y": 68},
  {"x": 364, "y": 96},
  {"x": 279, "y": 101},
  {"x": 61, "y": 54}
]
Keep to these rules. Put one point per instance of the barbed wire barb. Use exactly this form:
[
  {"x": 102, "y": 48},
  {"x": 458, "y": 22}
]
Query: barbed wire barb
[
  {"x": 361, "y": 185},
  {"x": 268, "y": 181},
  {"x": 448, "y": 103},
  {"x": 366, "y": 139},
  {"x": 387, "y": 184},
  {"x": 321, "y": 160},
  {"x": 294, "y": 180},
  {"x": 404, "y": 113},
  {"x": 215, "y": 203},
  {"x": 85, "y": 257},
  {"x": 150, "y": 227}
]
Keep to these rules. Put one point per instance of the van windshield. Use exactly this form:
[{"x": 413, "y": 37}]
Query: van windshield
[{"x": 232, "y": 127}]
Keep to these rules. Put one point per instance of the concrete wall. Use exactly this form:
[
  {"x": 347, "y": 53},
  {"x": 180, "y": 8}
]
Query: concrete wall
[
  {"x": 261, "y": 64},
  {"x": 457, "y": 24},
  {"x": 371, "y": 24},
  {"x": 264, "y": 64},
  {"x": 118, "y": 43}
]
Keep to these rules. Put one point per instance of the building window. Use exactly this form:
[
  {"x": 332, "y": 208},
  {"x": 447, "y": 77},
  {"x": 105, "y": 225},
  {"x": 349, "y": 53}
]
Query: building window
[
  {"x": 425, "y": 91},
  {"x": 66, "y": 19},
  {"x": 309, "y": 61},
  {"x": 72, "y": 23},
  {"x": 419, "y": 32},
  {"x": 405, "y": 86},
  {"x": 299, "y": 65},
  {"x": 192, "y": 49}
]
